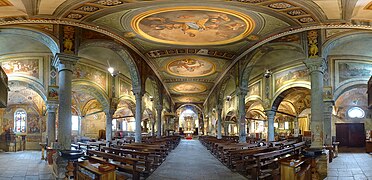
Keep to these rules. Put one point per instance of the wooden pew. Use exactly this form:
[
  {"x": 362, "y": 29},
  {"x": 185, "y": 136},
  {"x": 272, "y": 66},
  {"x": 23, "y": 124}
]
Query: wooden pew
[{"x": 124, "y": 164}]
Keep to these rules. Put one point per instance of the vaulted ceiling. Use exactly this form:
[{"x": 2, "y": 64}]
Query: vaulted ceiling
[{"x": 190, "y": 43}]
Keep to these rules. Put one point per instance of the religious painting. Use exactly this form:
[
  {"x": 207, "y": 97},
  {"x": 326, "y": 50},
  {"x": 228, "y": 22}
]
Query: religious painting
[
  {"x": 188, "y": 99},
  {"x": 53, "y": 92},
  {"x": 23, "y": 66},
  {"x": 284, "y": 77},
  {"x": 33, "y": 126},
  {"x": 193, "y": 25},
  {"x": 349, "y": 69},
  {"x": 125, "y": 89},
  {"x": 190, "y": 67},
  {"x": 189, "y": 88},
  {"x": 33, "y": 138},
  {"x": 90, "y": 73},
  {"x": 255, "y": 89}
]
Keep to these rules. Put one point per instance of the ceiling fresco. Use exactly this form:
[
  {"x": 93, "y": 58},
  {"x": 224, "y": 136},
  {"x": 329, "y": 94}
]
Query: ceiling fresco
[
  {"x": 189, "y": 88},
  {"x": 190, "y": 67},
  {"x": 193, "y": 25},
  {"x": 190, "y": 44}
]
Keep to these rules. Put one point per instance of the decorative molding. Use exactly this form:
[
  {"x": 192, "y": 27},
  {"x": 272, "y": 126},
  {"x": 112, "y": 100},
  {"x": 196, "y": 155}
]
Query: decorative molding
[
  {"x": 188, "y": 80},
  {"x": 177, "y": 52},
  {"x": 5, "y": 3}
]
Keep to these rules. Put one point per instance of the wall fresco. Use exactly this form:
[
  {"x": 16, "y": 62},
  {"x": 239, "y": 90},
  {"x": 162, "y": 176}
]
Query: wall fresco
[
  {"x": 287, "y": 76},
  {"x": 92, "y": 74}
]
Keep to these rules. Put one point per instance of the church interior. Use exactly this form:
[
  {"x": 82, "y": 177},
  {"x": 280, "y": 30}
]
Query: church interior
[{"x": 185, "y": 89}]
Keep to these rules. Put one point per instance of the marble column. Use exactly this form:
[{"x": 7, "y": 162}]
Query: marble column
[
  {"x": 65, "y": 63},
  {"x": 296, "y": 130},
  {"x": 219, "y": 122},
  {"x": 316, "y": 69},
  {"x": 270, "y": 125},
  {"x": 51, "y": 121},
  {"x": 328, "y": 107},
  {"x": 159, "y": 109},
  {"x": 109, "y": 114},
  {"x": 241, "y": 93},
  {"x": 138, "y": 116}
]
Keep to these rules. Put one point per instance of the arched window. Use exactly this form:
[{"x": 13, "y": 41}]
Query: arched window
[
  {"x": 356, "y": 112},
  {"x": 20, "y": 117}
]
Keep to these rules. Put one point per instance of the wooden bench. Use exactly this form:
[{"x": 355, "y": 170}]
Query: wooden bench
[{"x": 123, "y": 164}]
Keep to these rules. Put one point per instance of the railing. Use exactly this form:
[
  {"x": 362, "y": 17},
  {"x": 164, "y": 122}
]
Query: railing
[{"x": 3, "y": 88}]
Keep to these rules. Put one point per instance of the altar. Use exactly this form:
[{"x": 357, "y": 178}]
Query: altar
[{"x": 188, "y": 134}]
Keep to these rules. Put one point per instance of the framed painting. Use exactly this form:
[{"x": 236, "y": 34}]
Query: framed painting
[{"x": 53, "y": 93}]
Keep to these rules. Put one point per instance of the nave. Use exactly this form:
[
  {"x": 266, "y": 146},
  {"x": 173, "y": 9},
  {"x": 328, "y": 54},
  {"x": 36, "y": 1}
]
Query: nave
[{"x": 190, "y": 160}]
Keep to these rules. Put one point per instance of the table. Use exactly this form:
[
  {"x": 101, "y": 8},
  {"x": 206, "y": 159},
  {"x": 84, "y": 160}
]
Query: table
[
  {"x": 295, "y": 168},
  {"x": 89, "y": 171},
  {"x": 368, "y": 146}
]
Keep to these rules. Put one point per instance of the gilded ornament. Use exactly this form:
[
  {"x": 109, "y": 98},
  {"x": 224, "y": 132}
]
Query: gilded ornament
[
  {"x": 280, "y": 5},
  {"x": 312, "y": 37},
  {"x": 129, "y": 35},
  {"x": 68, "y": 37},
  {"x": 74, "y": 16}
]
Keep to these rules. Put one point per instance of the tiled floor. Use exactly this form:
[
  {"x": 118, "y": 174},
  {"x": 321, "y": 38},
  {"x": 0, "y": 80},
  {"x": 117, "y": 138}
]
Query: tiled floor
[
  {"x": 23, "y": 165},
  {"x": 357, "y": 166},
  {"x": 191, "y": 160}
]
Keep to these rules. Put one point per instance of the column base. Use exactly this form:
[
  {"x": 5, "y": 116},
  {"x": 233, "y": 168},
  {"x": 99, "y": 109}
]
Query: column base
[{"x": 59, "y": 167}]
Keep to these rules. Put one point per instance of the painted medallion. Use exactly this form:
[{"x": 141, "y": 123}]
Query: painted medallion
[
  {"x": 193, "y": 25},
  {"x": 190, "y": 67},
  {"x": 189, "y": 88}
]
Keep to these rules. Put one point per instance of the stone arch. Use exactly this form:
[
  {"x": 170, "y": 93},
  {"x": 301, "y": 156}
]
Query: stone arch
[
  {"x": 250, "y": 60},
  {"x": 280, "y": 97},
  {"x": 334, "y": 42},
  {"x": 35, "y": 35},
  {"x": 348, "y": 86},
  {"x": 223, "y": 86},
  {"x": 123, "y": 53},
  {"x": 32, "y": 84},
  {"x": 283, "y": 89},
  {"x": 93, "y": 90},
  {"x": 158, "y": 96}
]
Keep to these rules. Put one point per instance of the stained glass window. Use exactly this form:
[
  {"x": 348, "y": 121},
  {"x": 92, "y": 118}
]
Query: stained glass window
[{"x": 20, "y": 117}]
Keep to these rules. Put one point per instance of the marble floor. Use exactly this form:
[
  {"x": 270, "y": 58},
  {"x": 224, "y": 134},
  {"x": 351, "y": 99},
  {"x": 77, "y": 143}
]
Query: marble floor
[
  {"x": 23, "y": 165},
  {"x": 192, "y": 161},
  {"x": 353, "y": 166}
]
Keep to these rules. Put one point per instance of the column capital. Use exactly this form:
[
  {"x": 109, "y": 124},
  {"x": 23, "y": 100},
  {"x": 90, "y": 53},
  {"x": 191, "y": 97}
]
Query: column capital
[
  {"x": 159, "y": 107},
  {"x": 219, "y": 108},
  {"x": 64, "y": 61},
  {"x": 240, "y": 91},
  {"x": 315, "y": 64},
  {"x": 52, "y": 106},
  {"x": 137, "y": 92},
  {"x": 270, "y": 112}
]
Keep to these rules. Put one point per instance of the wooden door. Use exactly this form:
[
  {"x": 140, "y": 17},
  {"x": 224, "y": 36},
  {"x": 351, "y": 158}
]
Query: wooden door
[
  {"x": 342, "y": 134},
  {"x": 357, "y": 135},
  {"x": 350, "y": 134}
]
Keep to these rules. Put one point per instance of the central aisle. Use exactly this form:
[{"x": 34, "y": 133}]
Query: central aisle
[{"x": 191, "y": 160}]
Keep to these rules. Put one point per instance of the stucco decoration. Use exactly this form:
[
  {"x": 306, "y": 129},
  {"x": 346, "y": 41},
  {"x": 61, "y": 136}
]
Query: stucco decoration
[
  {"x": 189, "y": 88},
  {"x": 193, "y": 25},
  {"x": 191, "y": 67}
]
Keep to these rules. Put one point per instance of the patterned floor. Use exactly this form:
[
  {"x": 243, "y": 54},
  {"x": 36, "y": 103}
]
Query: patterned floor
[
  {"x": 23, "y": 165},
  {"x": 190, "y": 160}
]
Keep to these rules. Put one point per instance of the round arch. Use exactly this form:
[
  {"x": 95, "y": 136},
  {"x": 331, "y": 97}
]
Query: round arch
[
  {"x": 348, "y": 86},
  {"x": 93, "y": 90},
  {"x": 34, "y": 85},
  {"x": 338, "y": 40},
  {"x": 120, "y": 51},
  {"x": 35, "y": 35},
  {"x": 298, "y": 84}
]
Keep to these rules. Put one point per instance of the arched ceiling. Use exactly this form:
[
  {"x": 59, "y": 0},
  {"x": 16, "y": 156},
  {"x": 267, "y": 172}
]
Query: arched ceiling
[{"x": 190, "y": 43}]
